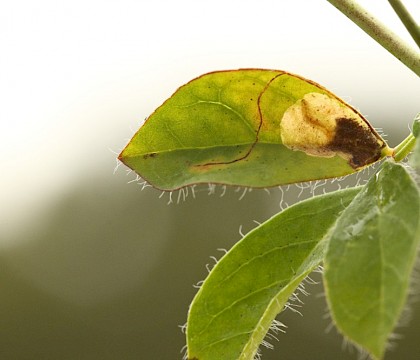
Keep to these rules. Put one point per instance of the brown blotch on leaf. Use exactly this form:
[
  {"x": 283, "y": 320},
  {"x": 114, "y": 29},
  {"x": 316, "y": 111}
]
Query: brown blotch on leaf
[
  {"x": 151, "y": 155},
  {"x": 358, "y": 142}
]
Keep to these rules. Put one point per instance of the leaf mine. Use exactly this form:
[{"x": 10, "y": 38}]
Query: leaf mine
[{"x": 322, "y": 126}]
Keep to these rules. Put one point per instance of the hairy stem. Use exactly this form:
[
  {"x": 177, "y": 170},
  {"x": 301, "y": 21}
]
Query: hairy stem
[
  {"x": 416, "y": 125},
  {"x": 404, "y": 148},
  {"x": 379, "y": 32},
  {"x": 406, "y": 19}
]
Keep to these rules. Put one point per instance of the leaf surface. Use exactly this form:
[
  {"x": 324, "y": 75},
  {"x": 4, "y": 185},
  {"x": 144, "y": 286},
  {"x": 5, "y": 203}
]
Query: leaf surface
[
  {"x": 370, "y": 257},
  {"x": 251, "y": 127},
  {"x": 250, "y": 285}
]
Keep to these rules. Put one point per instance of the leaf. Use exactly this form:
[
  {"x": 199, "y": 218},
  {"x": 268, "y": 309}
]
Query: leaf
[
  {"x": 240, "y": 127},
  {"x": 251, "y": 284},
  {"x": 370, "y": 257}
]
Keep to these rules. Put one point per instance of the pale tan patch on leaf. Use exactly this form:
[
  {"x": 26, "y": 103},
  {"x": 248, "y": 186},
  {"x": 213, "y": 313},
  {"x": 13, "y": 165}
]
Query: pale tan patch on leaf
[{"x": 323, "y": 126}]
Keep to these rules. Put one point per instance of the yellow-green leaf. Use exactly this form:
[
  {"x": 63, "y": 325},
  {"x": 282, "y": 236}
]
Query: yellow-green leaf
[{"x": 251, "y": 127}]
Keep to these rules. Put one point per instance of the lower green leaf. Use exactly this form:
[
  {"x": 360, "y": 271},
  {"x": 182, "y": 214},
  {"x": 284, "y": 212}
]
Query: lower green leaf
[
  {"x": 251, "y": 284},
  {"x": 370, "y": 257}
]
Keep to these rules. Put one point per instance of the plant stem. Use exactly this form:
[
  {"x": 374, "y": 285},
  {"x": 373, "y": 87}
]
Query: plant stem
[
  {"x": 404, "y": 148},
  {"x": 406, "y": 19},
  {"x": 416, "y": 125},
  {"x": 379, "y": 32}
]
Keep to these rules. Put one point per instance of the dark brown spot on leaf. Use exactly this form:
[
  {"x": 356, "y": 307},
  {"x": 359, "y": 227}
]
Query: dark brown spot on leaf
[
  {"x": 151, "y": 155},
  {"x": 360, "y": 143}
]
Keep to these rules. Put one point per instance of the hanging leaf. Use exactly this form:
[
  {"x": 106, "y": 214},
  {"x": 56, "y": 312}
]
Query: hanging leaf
[
  {"x": 251, "y": 127},
  {"x": 370, "y": 257},
  {"x": 250, "y": 285}
]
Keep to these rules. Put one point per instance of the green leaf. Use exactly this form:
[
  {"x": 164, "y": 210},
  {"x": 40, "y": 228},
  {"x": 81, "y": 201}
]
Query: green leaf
[
  {"x": 370, "y": 257},
  {"x": 241, "y": 127},
  {"x": 250, "y": 285}
]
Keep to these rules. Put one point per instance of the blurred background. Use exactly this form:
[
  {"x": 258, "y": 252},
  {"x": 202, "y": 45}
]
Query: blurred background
[{"x": 91, "y": 265}]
